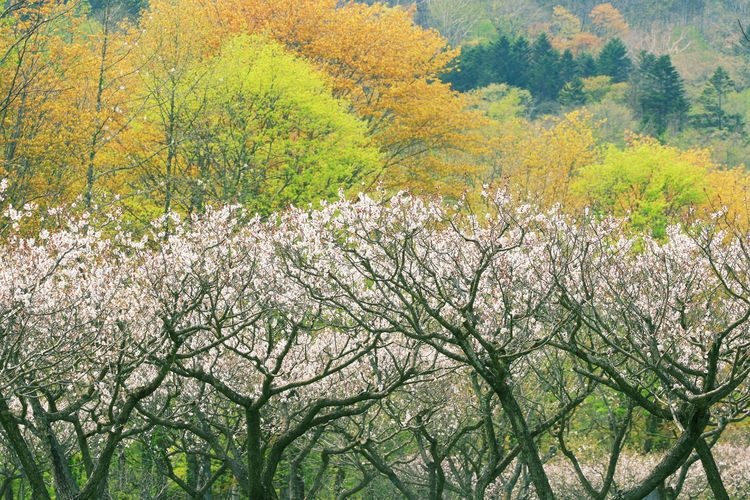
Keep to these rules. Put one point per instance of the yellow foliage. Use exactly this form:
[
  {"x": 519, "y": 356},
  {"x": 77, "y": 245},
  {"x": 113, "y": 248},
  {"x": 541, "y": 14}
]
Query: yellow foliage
[
  {"x": 584, "y": 42},
  {"x": 386, "y": 66},
  {"x": 541, "y": 164},
  {"x": 730, "y": 189},
  {"x": 653, "y": 184},
  {"x": 565, "y": 24},
  {"x": 101, "y": 109},
  {"x": 39, "y": 115}
]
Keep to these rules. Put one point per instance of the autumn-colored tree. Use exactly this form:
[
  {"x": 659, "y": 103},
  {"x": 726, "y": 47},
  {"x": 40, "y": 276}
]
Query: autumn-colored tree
[
  {"x": 107, "y": 104},
  {"x": 509, "y": 108},
  {"x": 541, "y": 163},
  {"x": 226, "y": 120},
  {"x": 608, "y": 20},
  {"x": 503, "y": 103},
  {"x": 584, "y": 42},
  {"x": 70, "y": 98},
  {"x": 92, "y": 107},
  {"x": 40, "y": 75},
  {"x": 387, "y": 67},
  {"x": 565, "y": 24},
  {"x": 729, "y": 190},
  {"x": 175, "y": 43},
  {"x": 567, "y": 33}
]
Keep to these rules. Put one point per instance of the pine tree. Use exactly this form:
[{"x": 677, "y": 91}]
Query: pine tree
[
  {"x": 713, "y": 99},
  {"x": 614, "y": 62},
  {"x": 585, "y": 65},
  {"x": 568, "y": 68},
  {"x": 504, "y": 60},
  {"x": 519, "y": 67},
  {"x": 545, "y": 81},
  {"x": 471, "y": 70},
  {"x": 659, "y": 94},
  {"x": 499, "y": 60}
]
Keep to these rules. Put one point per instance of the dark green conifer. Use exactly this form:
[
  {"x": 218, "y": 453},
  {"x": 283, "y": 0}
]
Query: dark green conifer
[
  {"x": 545, "y": 80},
  {"x": 659, "y": 94},
  {"x": 614, "y": 62},
  {"x": 713, "y": 99}
]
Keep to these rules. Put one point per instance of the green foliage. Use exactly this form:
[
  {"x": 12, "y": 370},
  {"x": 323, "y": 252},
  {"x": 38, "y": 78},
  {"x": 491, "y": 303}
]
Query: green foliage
[
  {"x": 613, "y": 61},
  {"x": 502, "y": 61},
  {"x": 471, "y": 72},
  {"x": 545, "y": 79},
  {"x": 598, "y": 88},
  {"x": 271, "y": 133},
  {"x": 585, "y": 65},
  {"x": 713, "y": 99},
  {"x": 614, "y": 120},
  {"x": 502, "y": 102},
  {"x": 509, "y": 61},
  {"x": 538, "y": 67},
  {"x": 572, "y": 93},
  {"x": 647, "y": 182},
  {"x": 568, "y": 67}
]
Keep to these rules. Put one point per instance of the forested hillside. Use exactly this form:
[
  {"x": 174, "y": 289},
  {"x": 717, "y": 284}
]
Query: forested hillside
[{"x": 318, "y": 249}]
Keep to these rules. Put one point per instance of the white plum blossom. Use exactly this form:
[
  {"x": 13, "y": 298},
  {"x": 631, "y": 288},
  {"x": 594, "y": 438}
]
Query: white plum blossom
[{"x": 349, "y": 330}]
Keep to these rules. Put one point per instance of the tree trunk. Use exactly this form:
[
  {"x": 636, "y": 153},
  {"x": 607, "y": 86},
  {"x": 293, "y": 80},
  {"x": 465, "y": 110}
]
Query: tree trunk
[
  {"x": 256, "y": 488},
  {"x": 205, "y": 475},
  {"x": 192, "y": 472},
  {"x": 712, "y": 471},
  {"x": 652, "y": 429},
  {"x": 673, "y": 460},
  {"x": 529, "y": 452},
  {"x": 65, "y": 486},
  {"x": 6, "y": 491},
  {"x": 21, "y": 450},
  {"x": 296, "y": 481}
]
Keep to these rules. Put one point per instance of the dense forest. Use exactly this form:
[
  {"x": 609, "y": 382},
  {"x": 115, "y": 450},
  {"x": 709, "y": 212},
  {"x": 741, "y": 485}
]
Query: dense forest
[{"x": 323, "y": 249}]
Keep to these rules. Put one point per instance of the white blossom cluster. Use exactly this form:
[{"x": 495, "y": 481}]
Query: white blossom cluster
[{"x": 453, "y": 338}]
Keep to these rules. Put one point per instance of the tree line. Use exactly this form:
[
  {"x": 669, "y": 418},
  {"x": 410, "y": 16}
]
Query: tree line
[
  {"x": 188, "y": 106},
  {"x": 536, "y": 66},
  {"x": 657, "y": 91}
]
